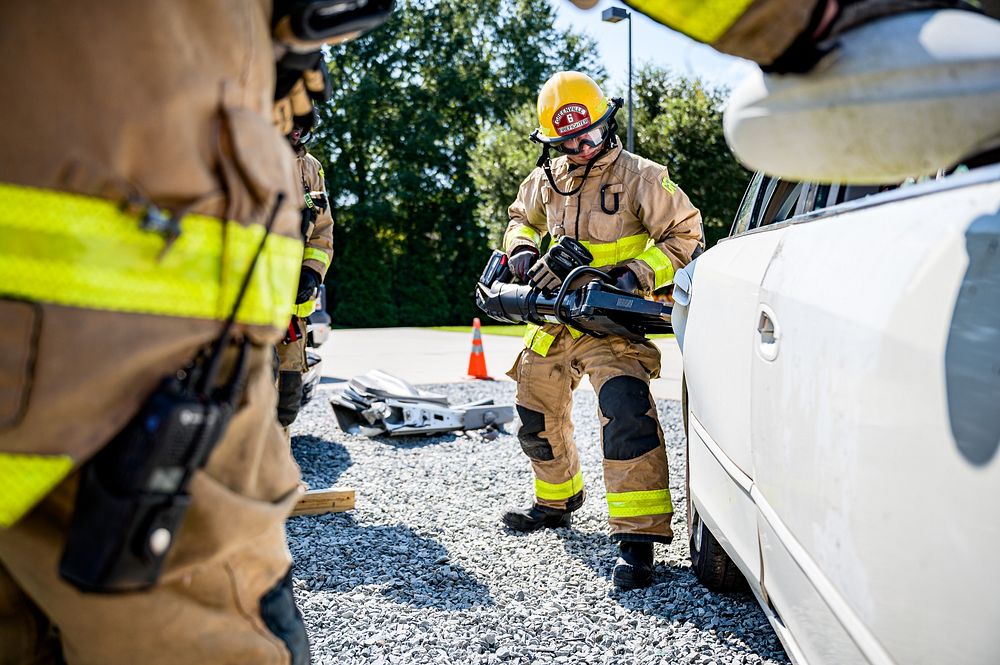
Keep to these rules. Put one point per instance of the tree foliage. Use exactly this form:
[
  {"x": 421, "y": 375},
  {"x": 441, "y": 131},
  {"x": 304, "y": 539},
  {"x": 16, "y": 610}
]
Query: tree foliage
[
  {"x": 678, "y": 122},
  {"x": 409, "y": 103},
  {"x": 502, "y": 158}
]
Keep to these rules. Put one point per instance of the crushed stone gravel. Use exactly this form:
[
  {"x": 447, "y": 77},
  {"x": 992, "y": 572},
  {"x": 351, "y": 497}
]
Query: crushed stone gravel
[{"x": 423, "y": 572}]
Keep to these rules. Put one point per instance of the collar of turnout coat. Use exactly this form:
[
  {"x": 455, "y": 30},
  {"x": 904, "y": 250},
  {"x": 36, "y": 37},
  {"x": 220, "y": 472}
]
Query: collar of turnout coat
[{"x": 561, "y": 165}]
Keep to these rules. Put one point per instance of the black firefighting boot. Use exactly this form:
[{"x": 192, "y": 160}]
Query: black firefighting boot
[
  {"x": 634, "y": 568},
  {"x": 536, "y": 517}
]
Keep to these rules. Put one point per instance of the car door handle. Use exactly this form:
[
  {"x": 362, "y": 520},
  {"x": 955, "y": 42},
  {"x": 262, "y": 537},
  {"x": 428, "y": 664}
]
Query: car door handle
[{"x": 768, "y": 333}]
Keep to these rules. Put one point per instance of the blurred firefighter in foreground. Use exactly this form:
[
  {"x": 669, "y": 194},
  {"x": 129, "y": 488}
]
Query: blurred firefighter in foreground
[
  {"x": 855, "y": 80},
  {"x": 640, "y": 227},
  {"x": 782, "y": 36},
  {"x": 317, "y": 230},
  {"x": 150, "y": 234}
]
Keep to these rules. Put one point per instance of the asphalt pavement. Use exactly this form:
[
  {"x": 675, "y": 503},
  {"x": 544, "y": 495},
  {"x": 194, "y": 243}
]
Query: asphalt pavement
[{"x": 433, "y": 356}]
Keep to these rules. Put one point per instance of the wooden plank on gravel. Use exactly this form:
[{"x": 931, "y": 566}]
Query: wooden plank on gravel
[{"x": 330, "y": 500}]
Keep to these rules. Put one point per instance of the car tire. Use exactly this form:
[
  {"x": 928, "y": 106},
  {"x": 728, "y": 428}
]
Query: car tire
[{"x": 711, "y": 565}]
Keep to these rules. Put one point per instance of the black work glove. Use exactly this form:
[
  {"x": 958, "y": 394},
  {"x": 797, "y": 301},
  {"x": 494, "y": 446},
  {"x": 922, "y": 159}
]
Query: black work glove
[
  {"x": 309, "y": 282},
  {"x": 564, "y": 256},
  {"x": 625, "y": 279},
  {"x": 319, "y": 200},
  {"x": 543, "y": 277},
  {"x": 520, "y": 262}
]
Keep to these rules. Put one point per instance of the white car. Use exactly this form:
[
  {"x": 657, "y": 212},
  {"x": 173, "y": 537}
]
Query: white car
[{"x": 842, "y": 369}]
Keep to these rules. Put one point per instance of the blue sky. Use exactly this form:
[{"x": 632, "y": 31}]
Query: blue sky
[{"x": 651, "y": 43}]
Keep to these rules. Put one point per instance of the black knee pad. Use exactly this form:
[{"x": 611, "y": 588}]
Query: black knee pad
[
  {"x": 289, "y": 397},
  {"x": 532, "y": 443},
  {"x": 630, "y": 433},
  {"x": 283, "y": 619}
]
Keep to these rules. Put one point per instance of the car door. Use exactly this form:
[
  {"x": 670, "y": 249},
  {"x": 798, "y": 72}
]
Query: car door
[
  {"x": 719, "y": 341},
  {"x": 870, "y": 376}
]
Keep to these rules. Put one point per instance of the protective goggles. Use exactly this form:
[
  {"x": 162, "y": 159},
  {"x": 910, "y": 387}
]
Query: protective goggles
[{"x": 574, "y": 146}]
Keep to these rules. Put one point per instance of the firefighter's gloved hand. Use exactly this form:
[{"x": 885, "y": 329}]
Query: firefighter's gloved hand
[
  {"x": 319, "y": 200},
  {"x": 309, "y": 282},
  {"x": 625, "y": 279},
  {"x": 541, "y": 276},
  {"x": 521, "y": 261}
]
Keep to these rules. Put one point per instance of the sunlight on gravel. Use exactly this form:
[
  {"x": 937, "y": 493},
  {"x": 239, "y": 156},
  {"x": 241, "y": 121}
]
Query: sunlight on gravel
[{"x": 422, "y": 571}]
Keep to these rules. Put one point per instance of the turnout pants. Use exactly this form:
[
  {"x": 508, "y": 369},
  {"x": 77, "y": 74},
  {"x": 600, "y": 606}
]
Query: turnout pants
[
  {"x": 291, "y": 366},
  {"x": 635, "y": 461},
  {"x": 225, "y": 595}
]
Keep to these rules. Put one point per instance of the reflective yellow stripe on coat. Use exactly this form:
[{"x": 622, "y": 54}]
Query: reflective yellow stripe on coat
[
  {"x": 539, "y": 341},
  {"x": 305, "y": 309},
  {"x": 660, "y": 264},
  {"x": 313, "y": 254},
  {"x": 85, "y": 252},
  {"x": 610, "y": 253},
  {"x": 522, "y": 231},
  {"x": 639, "y": 247},
  {"x": 705, "y": 20},
  {"x": 25, "y": 480}
]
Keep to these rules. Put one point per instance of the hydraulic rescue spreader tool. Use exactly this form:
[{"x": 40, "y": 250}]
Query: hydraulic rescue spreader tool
[{"x": 586, "y": 299}]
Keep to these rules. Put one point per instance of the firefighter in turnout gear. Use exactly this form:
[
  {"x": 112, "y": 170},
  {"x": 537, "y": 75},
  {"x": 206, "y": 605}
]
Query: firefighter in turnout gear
[
  {"x": 640, "y": 227},
  {"x": 150, "y": 243},
  {"x": 317, "y": 231}
]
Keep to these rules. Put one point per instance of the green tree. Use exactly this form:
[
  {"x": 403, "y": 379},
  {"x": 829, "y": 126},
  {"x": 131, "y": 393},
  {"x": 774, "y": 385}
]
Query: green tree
[
  {"x": 409, "y": 102},
  {"x": 678, "y": 122},
  {"x": 502, "y": 159}
]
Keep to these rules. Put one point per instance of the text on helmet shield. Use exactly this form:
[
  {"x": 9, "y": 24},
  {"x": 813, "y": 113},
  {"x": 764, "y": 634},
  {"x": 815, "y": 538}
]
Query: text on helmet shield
[{"x": 569, "y": 118}]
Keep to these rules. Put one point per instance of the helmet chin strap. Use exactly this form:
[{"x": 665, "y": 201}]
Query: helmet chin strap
[{"x": 545, "y": 160}]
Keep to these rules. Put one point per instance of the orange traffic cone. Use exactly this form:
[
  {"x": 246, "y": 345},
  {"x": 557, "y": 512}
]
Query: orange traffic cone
[{"x": 477, "y": 359}]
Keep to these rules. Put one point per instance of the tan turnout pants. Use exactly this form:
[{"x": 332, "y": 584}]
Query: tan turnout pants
[
  {"x": 292, "y": 364},
  {"x": 224, "y": 596},
  {"x": 635, "y": 461}
]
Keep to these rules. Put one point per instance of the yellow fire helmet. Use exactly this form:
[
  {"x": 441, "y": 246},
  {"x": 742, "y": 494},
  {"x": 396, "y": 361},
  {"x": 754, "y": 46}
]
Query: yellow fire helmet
[{"x": 570, "y": 104}]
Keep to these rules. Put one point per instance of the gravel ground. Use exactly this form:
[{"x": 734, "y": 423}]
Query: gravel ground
[{"x": 422, "y": 572}]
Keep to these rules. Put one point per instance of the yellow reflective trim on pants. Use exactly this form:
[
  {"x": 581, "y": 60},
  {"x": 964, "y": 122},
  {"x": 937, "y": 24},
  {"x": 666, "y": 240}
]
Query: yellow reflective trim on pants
[
  {"x": 313, "y": 254},
  {"x": 610, "y": 253},
  {"x": 704, "y": 20},
  {"x": 637, "y": 504},
  {"x": 663, "y": 269},
  {"x": 85, "y": 252},
  {"x": 521, "y": 231},
  {"x": 558, "y": 492},
  {"x": 25, "y": 480}
]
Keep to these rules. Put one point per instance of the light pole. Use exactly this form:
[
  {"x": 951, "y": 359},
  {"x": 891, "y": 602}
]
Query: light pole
[{"x": 614, "y": 15}]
